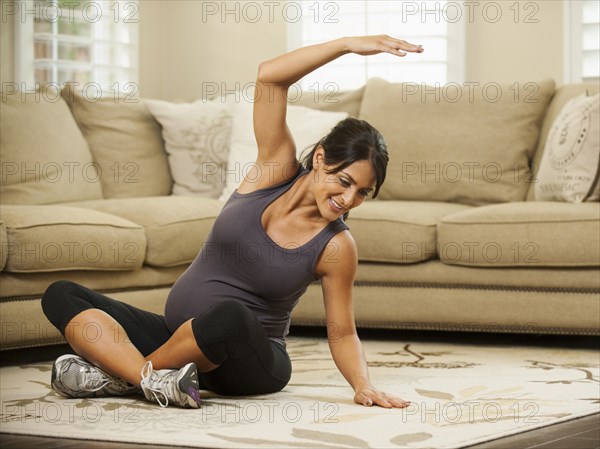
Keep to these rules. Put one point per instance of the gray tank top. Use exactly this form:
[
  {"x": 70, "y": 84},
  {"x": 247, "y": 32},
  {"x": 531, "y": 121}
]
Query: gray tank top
[{"x": 240, "y": 261}]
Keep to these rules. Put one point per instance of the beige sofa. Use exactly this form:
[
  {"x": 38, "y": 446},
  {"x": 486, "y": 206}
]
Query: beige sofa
[{"x": 455, "y": 241}]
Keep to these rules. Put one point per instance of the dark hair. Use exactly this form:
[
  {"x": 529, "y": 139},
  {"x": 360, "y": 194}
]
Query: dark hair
[{"x": 353, "y": 140}]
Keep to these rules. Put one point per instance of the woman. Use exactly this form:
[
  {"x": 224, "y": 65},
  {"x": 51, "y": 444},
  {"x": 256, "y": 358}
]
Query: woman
[{"x": 227, "y": 315}]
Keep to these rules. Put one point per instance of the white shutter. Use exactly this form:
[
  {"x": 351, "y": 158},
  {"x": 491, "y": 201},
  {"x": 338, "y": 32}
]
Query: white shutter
[
  {"x": 590, "y": 34},
  {"x": 431, "y": 24},
  {"x": 581, "y": 37},
  {"x": 79, "y": 42}
]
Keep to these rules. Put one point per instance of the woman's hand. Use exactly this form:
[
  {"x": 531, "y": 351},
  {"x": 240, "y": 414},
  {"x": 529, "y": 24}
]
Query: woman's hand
[
  {"x": 369, "y": 396},
  {"x": 372, "y": 45}
]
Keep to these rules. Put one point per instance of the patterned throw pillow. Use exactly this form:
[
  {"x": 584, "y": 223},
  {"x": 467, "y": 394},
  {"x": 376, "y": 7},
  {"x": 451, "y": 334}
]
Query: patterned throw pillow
[
  {"x": 570, "y": 167},
  {"x": 197, "y": 137}
]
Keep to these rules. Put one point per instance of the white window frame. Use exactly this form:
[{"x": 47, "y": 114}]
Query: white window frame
[
  {"x": 23, "y": 44},
  {"x": 456, "y": 58},
  {"x": 24, "y": 70},
  {"x": 573, "y": 43}
]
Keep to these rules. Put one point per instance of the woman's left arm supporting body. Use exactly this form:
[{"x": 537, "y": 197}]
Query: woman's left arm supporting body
[{"x": 337, "y": 271}]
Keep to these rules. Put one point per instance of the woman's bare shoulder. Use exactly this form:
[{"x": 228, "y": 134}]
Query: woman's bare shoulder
[{"x": 340, "y": 256}]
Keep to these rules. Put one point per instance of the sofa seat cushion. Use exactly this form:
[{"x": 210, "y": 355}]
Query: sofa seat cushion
[
  {"x": 56, "y": 238},
  {"x": 330, "y": 100},
  {"x": 528, "y": 234},
  {"x": 175, "y": 226},
  {"x": 398, "y": 231}
]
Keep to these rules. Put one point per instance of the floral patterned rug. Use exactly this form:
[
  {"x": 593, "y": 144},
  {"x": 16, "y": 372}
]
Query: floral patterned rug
[{"x": 461, "y": 395}]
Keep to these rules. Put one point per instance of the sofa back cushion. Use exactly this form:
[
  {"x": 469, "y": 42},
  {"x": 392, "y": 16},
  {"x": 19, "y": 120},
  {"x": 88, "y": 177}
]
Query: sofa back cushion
[
  {"x": 126, "y": 143},
  {"x": 45, "y": 158},
  {"x": 468, "y": 143},
  {"x": 329, "y": 100},
  {"x": 561, "y": 97}
]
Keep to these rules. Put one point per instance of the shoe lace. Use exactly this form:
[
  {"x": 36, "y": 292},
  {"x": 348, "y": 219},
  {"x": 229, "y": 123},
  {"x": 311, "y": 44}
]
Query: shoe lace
[
  {"x": 158, "y": 386},
  {"x": 94, "y": 380}
]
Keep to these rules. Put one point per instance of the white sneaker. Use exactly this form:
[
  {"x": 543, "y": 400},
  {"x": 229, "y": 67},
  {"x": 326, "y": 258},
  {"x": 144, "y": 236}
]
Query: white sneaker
[
  {"x": 74, "y": 377},
  {"x": 179, "y": 387}
]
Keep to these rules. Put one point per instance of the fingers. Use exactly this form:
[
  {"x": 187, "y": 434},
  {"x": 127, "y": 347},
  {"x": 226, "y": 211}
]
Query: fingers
[
  {"x": 383, "y": 400},
  {"x": 399, "y": 403},
  {"x": 372, "y": 45},
  {"x": 366, "y": 400},
  {"x": 417, "y": 48},
  {"x": 392, "y": 401},
  {"x": 400, "y": 47}
]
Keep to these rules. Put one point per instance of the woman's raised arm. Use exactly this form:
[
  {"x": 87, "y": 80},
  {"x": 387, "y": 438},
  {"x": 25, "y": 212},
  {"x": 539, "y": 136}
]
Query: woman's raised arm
[{"x": 276, "y": 150}]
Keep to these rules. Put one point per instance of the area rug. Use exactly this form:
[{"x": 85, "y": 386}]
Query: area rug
[{"x": 461, "y": 395}]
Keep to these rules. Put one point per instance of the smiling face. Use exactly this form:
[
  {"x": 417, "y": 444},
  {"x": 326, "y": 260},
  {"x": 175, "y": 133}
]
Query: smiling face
[{"x": 337, "y": 193}]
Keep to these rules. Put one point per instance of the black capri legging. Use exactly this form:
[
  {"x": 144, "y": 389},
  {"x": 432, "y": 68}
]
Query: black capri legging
[{"x": 228, "y": 333}]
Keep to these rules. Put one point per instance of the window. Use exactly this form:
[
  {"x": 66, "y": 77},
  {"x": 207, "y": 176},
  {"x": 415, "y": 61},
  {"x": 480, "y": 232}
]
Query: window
[
  {"x": 435, "y": 25},
  {"x": 582, "y": 37},
  {"x": 77, "y": 41}
]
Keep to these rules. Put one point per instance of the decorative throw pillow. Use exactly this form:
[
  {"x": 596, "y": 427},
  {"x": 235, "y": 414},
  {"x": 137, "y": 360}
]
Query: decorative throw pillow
[
  {"x": 570, "y": 167},
  {"x": 125, "y": 143},
  {"x": 197, "y": 137},
  {"x": 307, "y": 126}
]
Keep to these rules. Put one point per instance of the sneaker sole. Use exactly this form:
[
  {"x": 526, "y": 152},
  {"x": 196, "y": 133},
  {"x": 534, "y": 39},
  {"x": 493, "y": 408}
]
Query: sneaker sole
[{"x": 188, "y": 384}]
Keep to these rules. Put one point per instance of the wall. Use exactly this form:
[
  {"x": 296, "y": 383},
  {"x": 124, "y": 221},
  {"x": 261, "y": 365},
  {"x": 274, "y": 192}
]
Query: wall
[
  {"x": 193, "y": 50},
  {"x": 182, "y": 54},
  {"x": 180, "y": 50},
  {"x": 516, "y": 50},
  {"x": 6, "y": 48}
]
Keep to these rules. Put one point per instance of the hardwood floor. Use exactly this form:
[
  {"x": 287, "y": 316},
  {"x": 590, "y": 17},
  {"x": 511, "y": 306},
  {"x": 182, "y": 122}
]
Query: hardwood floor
[{"x": 581, "y": 433}]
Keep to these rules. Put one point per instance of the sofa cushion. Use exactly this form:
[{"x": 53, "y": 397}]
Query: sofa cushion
[
  {"x": 3, "y": 244},
  {"x": 197, "y": 137},
  {"x": 570, "y": 167},
  {"x": 329, "y": 100},
  {"x": 468, "y": 144},
  {"x": 561, "y": 97},
  {"x": 175, "y": 226},
  {"x": 55, "y": 238},
  {"x": 126, "y": 143},
  {"x": 45, "y": 158},
  {"x": 527, "y": 234},
  {"x": 398, "y": 231}
]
